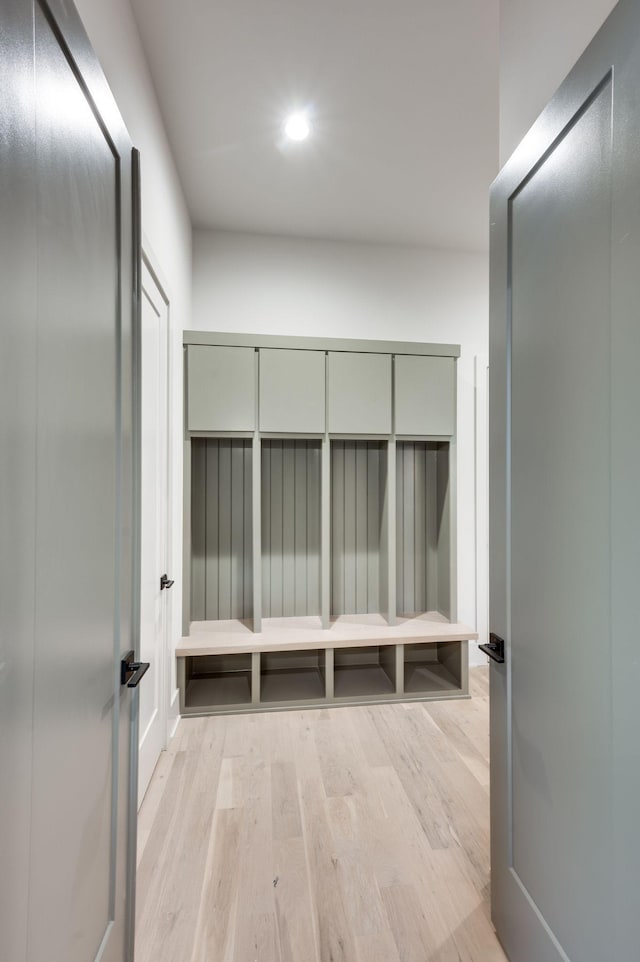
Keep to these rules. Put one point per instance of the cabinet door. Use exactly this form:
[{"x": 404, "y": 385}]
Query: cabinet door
[
  {"x": 292, "y": 391},
  {"x": 359, "y": 393},
  {"x": 425, "y": 395},
  {"x": 220, "y": 388}
]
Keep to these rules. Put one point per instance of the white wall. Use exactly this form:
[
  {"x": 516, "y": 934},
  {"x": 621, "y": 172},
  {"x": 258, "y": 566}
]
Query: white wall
[
  {"x": 166, "y": 225},
  {"x": 540, "y": 40},
  {"x": 276, "y": 285}
]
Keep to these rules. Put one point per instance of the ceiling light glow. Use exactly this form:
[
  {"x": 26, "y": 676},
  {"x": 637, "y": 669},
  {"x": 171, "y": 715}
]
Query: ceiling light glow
[{"x": 297, "y": 127}]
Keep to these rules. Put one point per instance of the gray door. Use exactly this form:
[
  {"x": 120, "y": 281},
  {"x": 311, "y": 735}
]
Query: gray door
[
  {"x": 565, "y": 517},
  {"x": 67, "y": 509}
]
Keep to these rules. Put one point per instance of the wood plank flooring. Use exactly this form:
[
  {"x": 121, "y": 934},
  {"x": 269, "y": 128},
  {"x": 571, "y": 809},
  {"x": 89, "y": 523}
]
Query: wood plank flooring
[{"x": 330, "y": 835}]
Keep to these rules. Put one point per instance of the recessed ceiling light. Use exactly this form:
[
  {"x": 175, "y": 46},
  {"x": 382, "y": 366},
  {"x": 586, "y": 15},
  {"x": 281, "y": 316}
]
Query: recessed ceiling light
[{"x": 297, "y": 126}]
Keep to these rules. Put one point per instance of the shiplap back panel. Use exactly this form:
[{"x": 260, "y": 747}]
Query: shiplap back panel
[
  {"x": 221, "y": 529},
  {"x": 422, "y": 527},
  {"x": 291, "y": 473},
  {"x": 416, "y": 561},
  {"x": 358, "y": 479},
  {"x": 443, "y": 523}
]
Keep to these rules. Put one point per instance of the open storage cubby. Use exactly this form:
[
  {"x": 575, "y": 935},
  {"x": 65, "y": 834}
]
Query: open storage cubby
[
  {"x": 287, "y": 676},
  {"x": 291, "y": 535},
  {"x": 225, "y": 667},
  {"x": 217, "y": 681},
  {"x": 433, "y": 668},
  {"x": 364, "y": 672},
  {"x": 221, "y": 529},
  {"x": 359, "y": 547},
  {"x": 423, "y": 527}
]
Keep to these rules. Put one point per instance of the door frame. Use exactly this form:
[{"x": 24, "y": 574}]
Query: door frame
[{"x": 150, "y": 262}]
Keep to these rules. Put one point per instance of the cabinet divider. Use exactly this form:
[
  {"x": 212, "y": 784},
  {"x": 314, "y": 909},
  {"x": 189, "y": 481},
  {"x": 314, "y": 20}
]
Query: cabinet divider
[
  {"x": 255, "y": 677},
  {"x": 256, "y": 476},
  {"x": 325, "y": 523},
  {"x": 389, "y": 534},
  {"x": 329, "y": 662},
  {"x": 399, "y": 669}
]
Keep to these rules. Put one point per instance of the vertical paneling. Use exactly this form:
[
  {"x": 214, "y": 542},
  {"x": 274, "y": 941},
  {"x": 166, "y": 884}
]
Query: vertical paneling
[
  {"x": 431, "y": 503},
  {"x": 349, "y": 497},
  {"x": 300, "y": 529},
  {"x": 198, "y": 530},
  {"x": 211, "y": 500},
  {"x": 420, "y": 584},
  {"x": 266, "y": 527},
  {"x": 237, "y": 532},
  {"x": 223, "y": 553},
  {"x": 361, "y": 513},
  {"x": 289, "y": 555},
  {"x": 444, "y": 531},
  {"x": 221, "y": 529},
  {"x": 375, "y": 482},
  {"x": 291, "y": 527},
  {"x": 357, "y": 487},
  {"x": 422, "y": 521},
  {"x": 337, "y": 527}
]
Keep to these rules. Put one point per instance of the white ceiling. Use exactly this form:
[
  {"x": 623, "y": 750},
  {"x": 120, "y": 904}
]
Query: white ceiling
[{"x": 405, "y": 101}]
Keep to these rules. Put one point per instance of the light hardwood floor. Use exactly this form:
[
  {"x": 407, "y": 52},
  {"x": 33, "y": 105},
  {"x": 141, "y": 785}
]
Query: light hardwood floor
[{"x": 332, "y": 835}]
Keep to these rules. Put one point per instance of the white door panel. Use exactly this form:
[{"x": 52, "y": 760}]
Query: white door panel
[{"x": 154, "y": 470}]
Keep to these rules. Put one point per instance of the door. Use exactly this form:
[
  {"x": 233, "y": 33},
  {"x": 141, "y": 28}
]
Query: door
[
  {"x": 565, "y": 524},
  {"x": 67, "y": 508},
  {"x": 154, "y": 471}
]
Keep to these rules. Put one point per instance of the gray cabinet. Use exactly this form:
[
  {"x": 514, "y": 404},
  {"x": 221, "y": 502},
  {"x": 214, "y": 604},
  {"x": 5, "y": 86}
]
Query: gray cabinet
[
  {"x": 359, "y": 389},
  {"x": 292, "y": 391},
  {"x": 320, "y": 544},
  {"x": 220, "y": 388},
  {"x": 424, "y": 395}
]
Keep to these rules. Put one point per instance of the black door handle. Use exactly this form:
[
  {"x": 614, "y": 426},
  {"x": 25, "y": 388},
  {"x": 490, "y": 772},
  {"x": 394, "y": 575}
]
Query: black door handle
[
  {"x": 132, "y": 672},
  {"x": 495, "y": 648},
  {"x": 166, "y": 582}
]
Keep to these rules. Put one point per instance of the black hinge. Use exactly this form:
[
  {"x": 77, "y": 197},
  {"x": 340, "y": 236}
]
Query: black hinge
[{"x": 495, "y": 648}]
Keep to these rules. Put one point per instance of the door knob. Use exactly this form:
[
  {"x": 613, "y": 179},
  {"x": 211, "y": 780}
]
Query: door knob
[{"x": 165, "y": 582}]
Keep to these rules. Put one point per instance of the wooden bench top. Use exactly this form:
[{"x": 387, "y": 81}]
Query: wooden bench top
[{"x": 346, "y": 631}]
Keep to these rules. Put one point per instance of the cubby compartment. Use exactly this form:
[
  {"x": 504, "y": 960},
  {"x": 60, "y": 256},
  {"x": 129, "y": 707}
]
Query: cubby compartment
[
  {"x": 291, "y": 505},
  {"x": 359, "y": 543},
  {"x": 364, "y": 672},
  {"x": 423, "y": 527},
  {"x": 217, "y": 681},
  {"x": 434, "y": 667},
  {"x": 221, "y": 529},
  {"x": 292, "y": 676}
]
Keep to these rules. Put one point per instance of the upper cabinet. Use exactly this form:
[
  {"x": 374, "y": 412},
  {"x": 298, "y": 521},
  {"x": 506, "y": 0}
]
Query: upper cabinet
[
  {"x": 359, "y": 387},
  {"x": 220, "y": 388},
  {"x": 424, "y": 395},
  {"x": 292, "y": 391},
  {"x": 281, "y": 385}
]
